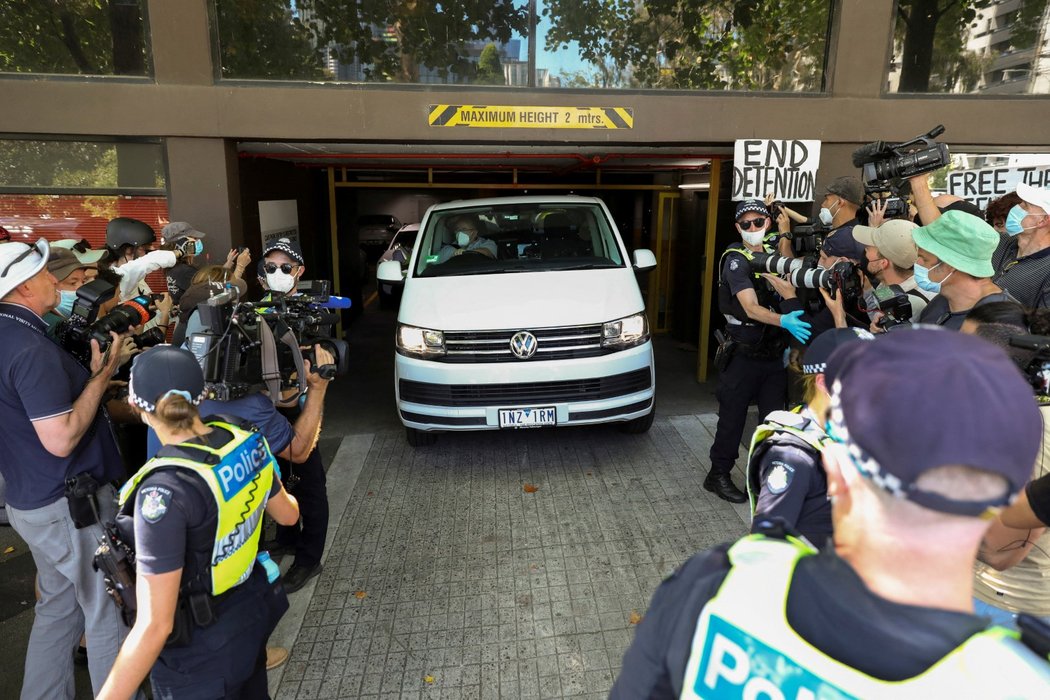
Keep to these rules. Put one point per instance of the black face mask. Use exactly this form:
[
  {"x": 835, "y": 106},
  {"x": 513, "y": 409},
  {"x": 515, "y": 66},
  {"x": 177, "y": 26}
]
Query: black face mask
[{"x": 872, "y": 277}]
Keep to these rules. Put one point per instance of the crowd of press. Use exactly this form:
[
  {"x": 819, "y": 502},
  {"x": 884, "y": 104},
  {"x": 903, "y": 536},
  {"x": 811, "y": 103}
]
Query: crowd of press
[{"x": 898, "y": 511}]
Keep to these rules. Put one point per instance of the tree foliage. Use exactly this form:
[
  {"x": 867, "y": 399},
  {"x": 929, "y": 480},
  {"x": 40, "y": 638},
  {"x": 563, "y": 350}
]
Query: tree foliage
[
  {"x": 263, "y": 39},
  {"x": 90, "y": 37},
  {"x": 490, "y": 69}
]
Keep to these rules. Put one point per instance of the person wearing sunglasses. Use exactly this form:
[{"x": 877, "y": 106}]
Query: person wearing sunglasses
[
  {"x": 887, "y": 611},
  {"x": 54, "y": 430},
  {"x": 751, "y": 365}
]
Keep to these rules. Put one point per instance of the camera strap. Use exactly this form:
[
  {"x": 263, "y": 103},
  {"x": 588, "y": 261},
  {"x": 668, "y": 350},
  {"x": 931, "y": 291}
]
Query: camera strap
[{"x": 271, "y": 370}]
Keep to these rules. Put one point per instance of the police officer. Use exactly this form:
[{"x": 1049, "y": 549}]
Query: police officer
[
  {"x": 754, "y": 371},
  {"x": 785, "y": 475},
  {"x": 888, "y": 612},
  {"x": 193, "y": 513}
]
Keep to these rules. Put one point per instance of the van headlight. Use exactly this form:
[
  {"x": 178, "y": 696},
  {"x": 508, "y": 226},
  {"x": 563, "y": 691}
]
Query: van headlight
[
  {"x": 626, "y": 332},
  {"x": 419, "y": 342}
]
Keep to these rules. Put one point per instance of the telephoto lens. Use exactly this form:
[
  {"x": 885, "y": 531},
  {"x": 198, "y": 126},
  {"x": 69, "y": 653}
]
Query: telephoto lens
[
  {"x": 123, "y": 317},
  {"x": 811, "y": 278},
  {"x": 776, "y": 264}
]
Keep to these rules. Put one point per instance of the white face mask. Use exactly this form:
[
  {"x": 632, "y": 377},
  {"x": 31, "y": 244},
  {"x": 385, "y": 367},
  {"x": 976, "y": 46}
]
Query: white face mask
[
  {"x": 462, "y": 239},
  {"x": 826, "y": 217},
  {"x": 753, "y": 237},
  {"x": 280, "y": 282}
]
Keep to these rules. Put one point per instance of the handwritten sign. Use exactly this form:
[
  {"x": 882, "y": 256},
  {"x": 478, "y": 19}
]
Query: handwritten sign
[
  {"x": 528, "y": 117},
  {"x": 985, "y": 184},
  {"x": 785, "y": 168}
]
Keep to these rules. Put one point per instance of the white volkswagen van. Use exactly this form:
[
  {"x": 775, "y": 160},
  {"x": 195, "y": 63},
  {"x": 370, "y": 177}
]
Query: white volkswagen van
[{"x": 521, "y": 312}]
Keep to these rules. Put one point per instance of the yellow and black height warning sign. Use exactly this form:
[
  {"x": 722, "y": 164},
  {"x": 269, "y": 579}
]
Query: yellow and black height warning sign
[{"x": 518, "y": 117}]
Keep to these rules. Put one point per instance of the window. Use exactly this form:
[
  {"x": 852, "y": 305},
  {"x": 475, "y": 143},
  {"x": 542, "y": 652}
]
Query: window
[
  {"x": 937, "y": 48},
  {"x": 84, "y": 37}
]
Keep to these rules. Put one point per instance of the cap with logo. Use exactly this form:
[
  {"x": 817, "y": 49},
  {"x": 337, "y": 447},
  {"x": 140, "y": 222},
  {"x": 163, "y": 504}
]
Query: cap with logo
[
  {"x": 19, "y": 262},
  {"x": 963, "y": 241},
  {"x": 162, "y": 370},
  {"x": 973, "y": 406},
  {"x": 750, "y": 205},
  {"x": 177, "y": 231},
  {"x": 848, "y": 187},
  {"x": 286, "y": 246},
  {"x": 892, "y": 238}
]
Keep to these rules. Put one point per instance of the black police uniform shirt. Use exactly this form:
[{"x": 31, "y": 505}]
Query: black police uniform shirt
[
  {"x": 794, "y": 488},
  {"x": 828, "y": 605},
  {"x": 40, "y": 380},
  {"x": 174, "y": 507},
  {"x": 255, "y": 408},
  {"x": 737, "y": 274},
  {"x": 938, "y": 312}
]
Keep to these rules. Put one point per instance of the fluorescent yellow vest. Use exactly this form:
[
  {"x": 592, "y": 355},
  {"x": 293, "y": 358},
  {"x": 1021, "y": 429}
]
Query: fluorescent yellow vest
[
  {"x": 744, "y": 647},
  {"x": 240, "y": 482},
  {"x": 789, "y": 422}
]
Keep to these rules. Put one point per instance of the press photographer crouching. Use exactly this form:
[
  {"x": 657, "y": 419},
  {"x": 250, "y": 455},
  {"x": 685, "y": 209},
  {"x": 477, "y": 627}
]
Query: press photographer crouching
[
  {"x": 750, "y": 358},
  {"x": 204, "y": 598},
  {"x": 59, "y": 455}
]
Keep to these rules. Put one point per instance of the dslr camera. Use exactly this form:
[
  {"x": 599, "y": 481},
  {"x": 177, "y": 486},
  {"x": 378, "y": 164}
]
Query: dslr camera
[
  {"x": 244, "y": 347},
  {"x": 807, "y": 238},
  {"x": 83, "y": 325},
  {"x": 895, "y": 305},
  {"x": 881, "y": 162}
]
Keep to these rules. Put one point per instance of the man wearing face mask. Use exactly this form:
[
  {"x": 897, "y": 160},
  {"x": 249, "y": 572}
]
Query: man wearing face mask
[
  {"x": 843, "y": 198},
  {"x": 465, "y": 229},
  {"x": 1022, "y": 260},
  {"x": 954, "y": 262},
  {"x": 70, "y": 275},
  {"x": 754, "y": 370},
  {"x": 889, "y": 259},
  {"x": 283, "y": 266}
]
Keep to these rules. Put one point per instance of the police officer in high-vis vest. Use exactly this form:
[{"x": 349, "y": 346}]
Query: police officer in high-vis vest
[
  {"x": 931, "y": 432},
  {"x": 755, "y": 370},
  {"x": 785, "y": 474},
  {"x": 206, "y": 601}
]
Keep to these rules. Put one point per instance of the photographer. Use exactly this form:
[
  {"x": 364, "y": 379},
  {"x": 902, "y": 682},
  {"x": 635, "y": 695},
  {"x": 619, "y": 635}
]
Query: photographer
[
  {"x": 181, "y": 236},
  {"x": 130, "y": 242},
  {"x": 55, "y": 431},
  {"x": 954, "y": 262},
  {"x": 750, "y": 361},
  {"x": 1022, "y": 260},
  {"x": 843, "y": 198},
  {"x": 889, "y": 255}
]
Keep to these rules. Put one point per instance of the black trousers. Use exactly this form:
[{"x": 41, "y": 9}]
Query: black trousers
[
  {"x": 307, "y": 482},
  {"x": 745, "y": 381}
]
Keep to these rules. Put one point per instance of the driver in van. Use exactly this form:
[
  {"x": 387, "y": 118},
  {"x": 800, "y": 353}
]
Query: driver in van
[{"x": 465, "y": 239}]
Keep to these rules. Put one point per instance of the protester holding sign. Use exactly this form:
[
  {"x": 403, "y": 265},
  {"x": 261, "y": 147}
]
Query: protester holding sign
[{"x": 1022, "y": 260}]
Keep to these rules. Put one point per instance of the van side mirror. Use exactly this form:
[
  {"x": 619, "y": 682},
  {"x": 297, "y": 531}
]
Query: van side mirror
[
  {"x": 390, "y": 271},
  {"x": 643, "y": 260}
]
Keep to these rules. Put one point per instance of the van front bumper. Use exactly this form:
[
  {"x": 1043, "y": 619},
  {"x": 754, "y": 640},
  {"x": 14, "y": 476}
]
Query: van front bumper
[{"x": 583, "y": 391}]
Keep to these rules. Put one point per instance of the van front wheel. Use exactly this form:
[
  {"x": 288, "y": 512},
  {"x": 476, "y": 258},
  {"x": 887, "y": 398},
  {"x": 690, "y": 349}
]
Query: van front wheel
[
  {"x": 419, "y": 438},
  {"x": 637, "y": 426}
]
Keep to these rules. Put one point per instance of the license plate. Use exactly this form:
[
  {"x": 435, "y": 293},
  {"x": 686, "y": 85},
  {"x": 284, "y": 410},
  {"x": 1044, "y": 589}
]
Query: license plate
[{"x": 527, "y": 417}]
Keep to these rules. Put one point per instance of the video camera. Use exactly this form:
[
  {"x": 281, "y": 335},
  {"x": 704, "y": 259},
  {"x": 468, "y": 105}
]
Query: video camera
[
  {"x": 83, "y": 325},
  {"x": 881, "y": 162},
  {"x": 247, "y": 346},
  {"x": 807, "y": 238}
]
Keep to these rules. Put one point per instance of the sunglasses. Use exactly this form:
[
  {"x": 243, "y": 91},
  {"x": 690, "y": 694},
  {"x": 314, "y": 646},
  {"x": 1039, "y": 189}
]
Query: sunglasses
[
  {"x": 20, "y": 258},
  {"x": 286, "y": 268},
  {"x": 753, "y": 223}
]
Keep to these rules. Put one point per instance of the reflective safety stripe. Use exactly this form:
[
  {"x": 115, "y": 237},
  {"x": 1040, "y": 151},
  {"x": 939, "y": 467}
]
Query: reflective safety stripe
[
  {"x": 743, "y": 646},
  {"x": 240, "y": 483},
  {"x": 779, "y": 423}
]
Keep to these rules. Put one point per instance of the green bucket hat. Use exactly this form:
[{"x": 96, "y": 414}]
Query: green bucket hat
[{"x": 961, "y": 240}]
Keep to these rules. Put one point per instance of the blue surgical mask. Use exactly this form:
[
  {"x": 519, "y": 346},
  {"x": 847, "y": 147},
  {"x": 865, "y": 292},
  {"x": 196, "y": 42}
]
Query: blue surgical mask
[
  {"x": 923, "y": 281},
  {"x": 65, "y": 303},
  {"x": 1014, "y": 219},
  {"x": 462, "y": 238},
  {"x": 198, "y": 247}
]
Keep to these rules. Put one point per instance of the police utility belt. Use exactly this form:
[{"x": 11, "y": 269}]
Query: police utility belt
[{"x": 238, "y": 477}]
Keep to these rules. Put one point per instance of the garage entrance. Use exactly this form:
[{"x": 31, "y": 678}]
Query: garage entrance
[{"x": 664, "y": 199}]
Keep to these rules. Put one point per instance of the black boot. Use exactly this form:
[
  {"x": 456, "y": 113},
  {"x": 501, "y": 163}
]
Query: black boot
[{"x": 722, "y": 486}]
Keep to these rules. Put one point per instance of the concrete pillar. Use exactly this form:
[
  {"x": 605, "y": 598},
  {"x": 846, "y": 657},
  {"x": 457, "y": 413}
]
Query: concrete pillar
[
  {"x": 180, "y": 40},
  {"x": 204, "y": 189}
]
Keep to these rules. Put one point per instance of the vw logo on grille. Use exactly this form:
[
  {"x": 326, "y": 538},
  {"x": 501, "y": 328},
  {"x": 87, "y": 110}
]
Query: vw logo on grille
[{"x": 523, "y": 344}]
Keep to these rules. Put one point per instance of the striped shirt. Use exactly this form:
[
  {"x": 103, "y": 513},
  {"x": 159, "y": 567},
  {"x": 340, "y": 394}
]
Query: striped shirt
[{"x": 1028, "y": 278}]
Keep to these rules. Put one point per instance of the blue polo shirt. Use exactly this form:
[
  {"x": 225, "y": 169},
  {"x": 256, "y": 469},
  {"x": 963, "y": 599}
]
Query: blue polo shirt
[
  {"x": 254, "y": 408},
  {"x": 39, "y": 380}
]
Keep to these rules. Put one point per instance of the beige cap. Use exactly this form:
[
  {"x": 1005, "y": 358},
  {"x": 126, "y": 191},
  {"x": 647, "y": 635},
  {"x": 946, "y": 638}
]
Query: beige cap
[{"x": 893, "y": 240}]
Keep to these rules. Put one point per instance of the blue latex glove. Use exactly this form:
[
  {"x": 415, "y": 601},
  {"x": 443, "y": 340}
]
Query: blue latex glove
[{"x": 795, "y": 326}]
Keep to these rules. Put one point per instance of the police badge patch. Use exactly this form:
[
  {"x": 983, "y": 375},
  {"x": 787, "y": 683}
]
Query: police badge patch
[
  {"x": 779, "y": 477},
  {"x": 153, "y": 503},
  {"x": 734, "y": 264}
]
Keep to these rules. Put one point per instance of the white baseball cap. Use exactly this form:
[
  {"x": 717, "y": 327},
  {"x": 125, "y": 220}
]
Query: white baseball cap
[
  {"x": 19, "y": 262},
  {"x": 893, "y": 239},
  {"x": 1034, "y": 195}
]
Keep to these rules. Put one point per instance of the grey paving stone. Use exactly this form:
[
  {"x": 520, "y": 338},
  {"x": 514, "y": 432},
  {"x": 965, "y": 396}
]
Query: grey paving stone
[{"x": 446, "y": 579}]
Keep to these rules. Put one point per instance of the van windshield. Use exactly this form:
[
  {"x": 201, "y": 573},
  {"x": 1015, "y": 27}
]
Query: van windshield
[{"x": 508, "y": 238}]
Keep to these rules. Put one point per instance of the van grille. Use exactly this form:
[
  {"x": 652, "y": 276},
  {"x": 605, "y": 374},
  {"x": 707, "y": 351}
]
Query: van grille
[
  {"x": 530, "y": 393},
  {"x": 563, "y": 343}
]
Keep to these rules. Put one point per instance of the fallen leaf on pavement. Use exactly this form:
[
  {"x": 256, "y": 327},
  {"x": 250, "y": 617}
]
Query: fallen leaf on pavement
[
  {"x": 9, "y": 550},
  {"x": 530, "y": 488},
  {"x": 635, "y": 618},
  {"x": 360, "y": 595},
  {"x": 428, "y": 679}
]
